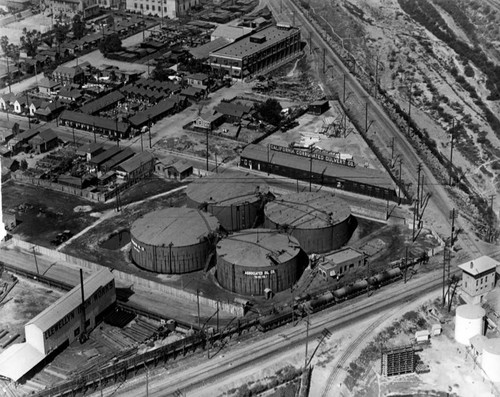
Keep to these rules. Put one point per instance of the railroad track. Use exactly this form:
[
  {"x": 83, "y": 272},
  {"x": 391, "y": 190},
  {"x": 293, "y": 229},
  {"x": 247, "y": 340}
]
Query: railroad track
[{"x": 349, "y": 351}]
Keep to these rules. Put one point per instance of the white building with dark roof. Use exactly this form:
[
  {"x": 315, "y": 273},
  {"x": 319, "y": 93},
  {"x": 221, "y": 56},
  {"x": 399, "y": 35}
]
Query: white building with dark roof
[
  {"x": 478, "y": 278},
  {"x": 257, "y": 52},
  {"x": 161, "y": 8},
  {"x": 59, "y": 325}
]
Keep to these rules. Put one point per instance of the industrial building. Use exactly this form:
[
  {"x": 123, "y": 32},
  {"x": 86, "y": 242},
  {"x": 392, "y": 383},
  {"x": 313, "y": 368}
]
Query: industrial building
[
  {"x": 174, "y": 240},
  {"x": 320, "y": 221},
  {"x": 236, "y": 200},
  {"x": 341, "y": 262},
  {"x": 318, "y": 168},
  {"x": 478, "y": 278},
  {"x": 163, "y": 9},
  {"x": 258, "y": 52},
  {"x": 258, "y": 262},
  {"x": 60, "y": 324}
]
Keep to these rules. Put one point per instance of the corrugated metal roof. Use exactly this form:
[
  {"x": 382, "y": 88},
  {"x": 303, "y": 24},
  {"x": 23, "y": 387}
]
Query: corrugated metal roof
[
  {"x": 105, "y": 156},
  {"x": 366, "y": 176},
  {"x": 69, "y": 302},
  {"x": 19, "y": 359},
  {"x": 100, "y": 103},
  {"x": 203, "y": 51},
  {"x": 135, "y": 162}
]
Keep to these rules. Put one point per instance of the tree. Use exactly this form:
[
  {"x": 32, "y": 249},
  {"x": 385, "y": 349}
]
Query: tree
[
  {"x": 60, "y": 32},
  {"x": 161, "y": 73},
  {"x": 270, "y": 111},
  {"x": 23, "y": 165},
  {"x": 30, "y": 40},
  {"x": 111, "y": 43},
  {"x": 78, "y": 27},
  {"x": 10, "y": 50}
]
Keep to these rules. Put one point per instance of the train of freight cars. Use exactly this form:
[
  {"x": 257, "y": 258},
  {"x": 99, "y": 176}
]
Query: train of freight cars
[{"x": 329, "y": 298}]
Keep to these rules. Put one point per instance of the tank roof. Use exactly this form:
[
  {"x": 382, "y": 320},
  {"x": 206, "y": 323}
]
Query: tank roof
[
  {"x": 492, "y": 346},
  {"x": 470, "y": 312},
  {"x": 179, "y": 226},
  {"x": 226, "y": 189},
  {"x": 308, "y": 210},
  {"x": 258, "y": 248}
]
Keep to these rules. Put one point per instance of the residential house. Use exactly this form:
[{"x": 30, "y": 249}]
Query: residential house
[
  {"x": 44, "y": 141},
  {"x": 193, "y": 93},
  {"x": 68, "y": 75},
  {"x": 20, "y": 104},
  {"x": 48, "y": 87},
  {"x": 7, "y": 101},
  {"x": 178, "y": 170},
  {"x": 34, "y": 105},
  {"x": 208, "y": 121},
  {"x": 139, "y": 166},
  {"x": 20, "y": 142},
  {"x": 198, "y": 80},
  {"x": 49, "y": 110},
  {"x": 70, "y": 94},
  {"x": 233, "y": 112}
]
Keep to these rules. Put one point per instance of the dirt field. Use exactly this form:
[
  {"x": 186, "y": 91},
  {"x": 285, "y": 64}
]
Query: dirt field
[
  {"x": 14, "y": 31},
  {"x": 26, "y": 300}
]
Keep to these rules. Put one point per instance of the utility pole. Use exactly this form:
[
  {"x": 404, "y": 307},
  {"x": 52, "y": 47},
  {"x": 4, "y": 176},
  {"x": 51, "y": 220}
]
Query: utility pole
[
  {"x": 399, "y": 187},
  {"x": 366, "y": 117},
  {"x": 36, "y": 262},
  {"x": 392, "y": 148},
  {"x": 307, "y": 340},
  {"x": 406, "y": 262},
  {"x": 149, "y": 130},
  {"x": 142, "y": 145},
  {"x": 376, "y": 79},
  {"x": 419, "y": 170},
  {"x": 344, "y": 91},
  {"x": 446, "y": 264},
  {"x": 451, "y": 151},
  {"x": 453, "y": 216},
  {"x": 93, "y": 130},
  {"x": 324, "y": 60},
  {"x": 409, "y": 104},
  {"x": 310, "y": 168},
  {"x": 207, "y": 150}
]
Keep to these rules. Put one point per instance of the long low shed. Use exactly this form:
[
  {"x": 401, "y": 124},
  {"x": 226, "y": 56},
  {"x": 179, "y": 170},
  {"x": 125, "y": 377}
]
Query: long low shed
[{"x": 367, "y": 181}]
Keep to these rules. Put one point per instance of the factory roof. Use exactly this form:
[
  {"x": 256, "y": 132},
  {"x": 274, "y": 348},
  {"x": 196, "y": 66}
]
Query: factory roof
[
  {"x": 119, "y": 158},
  {"x": 308, "y": 210},
  {"x": 177, "y": 226},
  {"x": 135, "y": 162},
  {"x": 69, "y": 302},
  {"x": 230, "y": 32},
  {"x": 258, "y": 248},
  {"x": 204, "y": 50},
  {"x": 226, "y": 189},
  {"x": 479, "y": 265},
  {"x": 105, "y": 156},
  {"x": 19, "y": 359},
  {"x": 366, "y": 176},
  {"x": 257, "y": 42},
  {"x": 100, "y": 122}
]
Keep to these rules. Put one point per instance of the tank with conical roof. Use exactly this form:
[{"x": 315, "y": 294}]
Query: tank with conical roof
[
  {"x": 320, "y": 221},
  {"x": 173, "y": 240},
  {"x": 235, "y": 200}
]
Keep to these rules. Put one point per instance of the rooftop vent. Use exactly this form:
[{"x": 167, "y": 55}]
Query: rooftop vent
[
  {"x": 258, "y": 39},
  {"x": 284, "y": 26}
]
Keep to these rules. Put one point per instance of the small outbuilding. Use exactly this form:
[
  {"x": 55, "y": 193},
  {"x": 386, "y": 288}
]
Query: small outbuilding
[{"x": 318, "y": 107}]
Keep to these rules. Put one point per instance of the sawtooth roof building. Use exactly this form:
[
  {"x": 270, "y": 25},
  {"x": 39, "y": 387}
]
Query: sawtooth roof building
[{"x": 259, "y": 52}]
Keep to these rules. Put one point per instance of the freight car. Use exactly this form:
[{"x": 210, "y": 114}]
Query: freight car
[
  {"x": 275, "y": 320},
  {"x": 386, "y": 277},
  {"x": 350, "y": 291},
  {"x": 320, "y": 302}
]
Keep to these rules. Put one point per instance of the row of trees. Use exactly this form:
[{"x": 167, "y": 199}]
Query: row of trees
[{"x": 32, "y": 38}]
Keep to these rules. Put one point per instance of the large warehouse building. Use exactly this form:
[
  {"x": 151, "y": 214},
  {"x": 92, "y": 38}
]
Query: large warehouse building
[
  {"x": 320, "y": 221},
  {"x": 259, "y": 261},
  {"x": 320, "y": 169},
  {"x": 60, "y": 324},
  {"x": 174, "y": 240},
  {"x": 262, "y": 50},
  {"x": 236, "y": 200}
]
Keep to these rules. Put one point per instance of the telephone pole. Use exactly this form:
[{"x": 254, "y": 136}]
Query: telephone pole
[
  {"x": 400, "y": 179},
  {"x": 451, "y": 151}
]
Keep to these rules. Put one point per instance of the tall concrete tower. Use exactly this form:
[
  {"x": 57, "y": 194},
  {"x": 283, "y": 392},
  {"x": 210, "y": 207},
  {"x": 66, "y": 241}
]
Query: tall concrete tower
[{"x": 3, "y": 232}]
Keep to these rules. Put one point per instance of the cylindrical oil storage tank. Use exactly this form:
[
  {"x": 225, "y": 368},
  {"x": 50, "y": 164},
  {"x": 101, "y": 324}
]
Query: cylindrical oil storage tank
[
  {"x": 491, "y": 359},
  {"x": 251, "y": 261},
  {"x": 319, "y": 220},
  {"x": 469, "y": 322},
  {"x": 173, "y": 240},
  {"x": 234, "y": 199}
]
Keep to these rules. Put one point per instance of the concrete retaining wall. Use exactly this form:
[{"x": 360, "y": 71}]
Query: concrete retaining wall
[{"x": 132, "y": 279}]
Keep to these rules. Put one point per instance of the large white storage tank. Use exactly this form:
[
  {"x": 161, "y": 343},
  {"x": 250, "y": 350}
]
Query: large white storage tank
[
  {"x": 491, "y": 359},
  {"x": 469, "y": 322}
]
